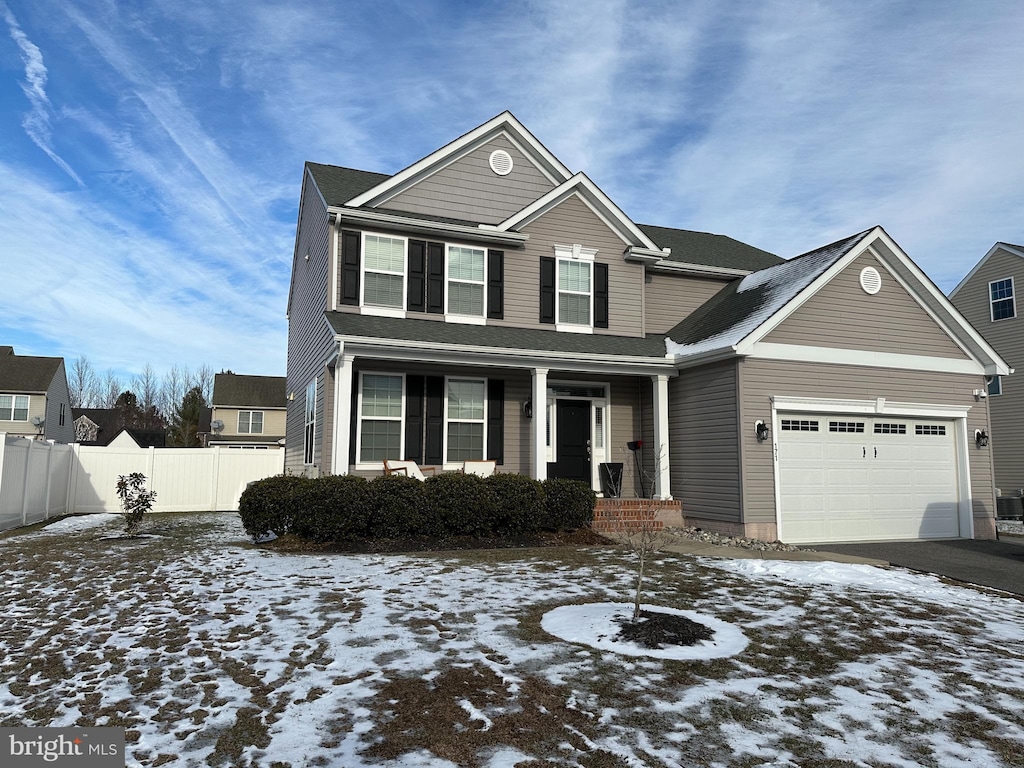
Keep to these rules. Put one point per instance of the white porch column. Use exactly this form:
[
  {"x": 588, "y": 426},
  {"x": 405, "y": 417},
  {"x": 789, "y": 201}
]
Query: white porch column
[
  {"x": 342, "y": 413},
  {"x": 540, "y": 422},
  {"x": 662, "y": 473}
]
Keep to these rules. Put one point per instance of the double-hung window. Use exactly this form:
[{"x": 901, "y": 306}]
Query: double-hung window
[
  {"x": 14, "y": 407},
  {"x": 574, "y": 292},
  {"x": 1001, "y": 294},
  {"x": 380, "y": 417},
  {"x": 250, "y": 422},
  {"x": 465, "y": 413},
  {"x": 384, "y": 271},
  {"x": 466, "y": 281},
  {"x": 309, "y": 433}
]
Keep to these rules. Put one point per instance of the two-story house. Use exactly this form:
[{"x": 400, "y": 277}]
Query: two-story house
[
  {"x": 247, "y": 411},
  {"x": 488, "y": 303},
  {"x": 34, "y": 397},
  {"x": 987, "y": 297}
]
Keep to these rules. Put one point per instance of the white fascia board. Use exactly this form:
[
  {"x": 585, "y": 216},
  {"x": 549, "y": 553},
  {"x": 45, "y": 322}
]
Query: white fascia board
[
  {"x": 495, "y": 357},
  {"x": 744, "y": 346},
  {"x": 879, "y": 406},
  {"x": 864, "y": 358},
  {"x": 506, "y": 122},
  {"x": 426, "y": 226},
  {"x": 712, "y": 356},
  {"x": 963, "y": 328},
  {"x": 991, "y": 251},
  {"x": 597, "y": 200},
  {"x": 699, "y": 270}
]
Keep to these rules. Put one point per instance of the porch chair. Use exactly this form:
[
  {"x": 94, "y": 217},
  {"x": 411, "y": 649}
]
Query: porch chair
[
  {"x": 407, "y": 468},
  {"x": 480, "y": 468}
]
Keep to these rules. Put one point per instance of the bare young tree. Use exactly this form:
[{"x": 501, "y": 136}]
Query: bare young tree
[
  {"x": 82, "y": 383},
  {"x": 173, "y": 388},
  {"x": 203, "y": 378},
  {"x": 109, "y": 390},
  {"x": 147, "y": 388}
]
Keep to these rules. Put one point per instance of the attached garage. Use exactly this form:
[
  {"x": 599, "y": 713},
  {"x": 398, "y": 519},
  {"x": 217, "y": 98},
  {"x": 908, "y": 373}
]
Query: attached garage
[{"x": 861, "y": 477}]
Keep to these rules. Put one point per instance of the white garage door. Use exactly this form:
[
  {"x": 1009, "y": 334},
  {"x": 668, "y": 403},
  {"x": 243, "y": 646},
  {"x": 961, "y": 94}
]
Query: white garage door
[{"x": 852, "y": 478}]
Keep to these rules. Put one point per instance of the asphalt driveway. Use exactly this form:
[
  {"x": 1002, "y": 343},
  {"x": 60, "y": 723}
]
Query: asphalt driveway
[{"x": 997, "y": 564}]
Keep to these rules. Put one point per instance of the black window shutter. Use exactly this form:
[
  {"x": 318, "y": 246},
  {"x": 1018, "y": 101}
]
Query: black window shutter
[
  {"x": 417, "y": 276},
  {"x": 350, "y": 244},
  {"x": 435, "y": 420},
  {"x": 435, "y": 278},
  {"x": 496, "y": 420},
  {"x": 496, "y": 285},
  {"x": 414, "y": 387},
  {"x": 547, "y": 289},
  {"x": 600, "y": 295}
]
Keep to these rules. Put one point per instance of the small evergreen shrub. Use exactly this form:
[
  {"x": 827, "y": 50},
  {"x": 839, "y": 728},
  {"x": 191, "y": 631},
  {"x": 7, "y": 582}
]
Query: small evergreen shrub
[
  {"x": 457, "y": 505},
  {"x": 568, "y": 504},
  {"x": 332, "y": 508},
  {"x": 136, "y": 501},
  {"x": 518, "y": 504},
  {"x": 396, "y": 507},
  {"x": 268, "y": 505}
]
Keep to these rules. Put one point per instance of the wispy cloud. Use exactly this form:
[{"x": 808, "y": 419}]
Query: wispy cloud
[{"x": 36, "y": 121}]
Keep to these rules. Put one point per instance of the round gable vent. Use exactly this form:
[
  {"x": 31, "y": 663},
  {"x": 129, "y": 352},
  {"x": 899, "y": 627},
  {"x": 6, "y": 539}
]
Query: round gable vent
[
  {"x": 870, "y": 280},
  {"x": 501, "y": 162}
]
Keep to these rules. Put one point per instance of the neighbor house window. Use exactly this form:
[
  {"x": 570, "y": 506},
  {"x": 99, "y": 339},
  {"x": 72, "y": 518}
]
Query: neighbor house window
[
  {"x": 465, "y": 419},
  {"x": 60, "y": 419},
  {"x": 574, "y": 292},
  {"x": 380, "y": 417},
  {"x": 309, "y": 434},
  {"x": 466, "y": 281},
  {"x": 14, "y": 407},
  {"x": 384, "y": 271},
  {"x": 1001, "y": 294},
  {"x": 250, "y": 422}
]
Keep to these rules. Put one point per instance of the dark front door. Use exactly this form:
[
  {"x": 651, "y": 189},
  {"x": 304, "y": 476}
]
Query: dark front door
[{"x": 572, "y": 440}]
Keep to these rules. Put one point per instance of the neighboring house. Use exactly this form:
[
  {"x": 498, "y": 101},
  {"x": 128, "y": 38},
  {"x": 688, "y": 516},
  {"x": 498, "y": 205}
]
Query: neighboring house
[
  {"x": 34, "y": 398},
  {"x": 488, "y": 303},
  {"x": 100, "y": 426},
  {"x": 248, "y": 411},
  {"x": 987, "y": 297}
]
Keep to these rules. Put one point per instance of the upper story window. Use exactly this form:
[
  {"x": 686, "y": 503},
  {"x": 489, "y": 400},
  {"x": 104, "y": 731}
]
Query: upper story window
[
  {"x": 63, "y": 413},
  {"x": 14, "y": 407},
  {"x": 384, "y": 271},
  {"x": 1001, "y": 294},
  {"x": 574, "y": 290},
  {"x": 466, "y": 281},
  {"x": 250, "y": 422}
]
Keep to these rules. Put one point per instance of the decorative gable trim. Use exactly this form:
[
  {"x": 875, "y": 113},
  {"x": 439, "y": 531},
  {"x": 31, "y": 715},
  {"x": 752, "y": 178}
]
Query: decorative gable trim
[
  {"x": 1011, "y": 249},
  {"x": 592, "y": 197},
  {"x": 408, "y": 224},
  {"x": 504, "y": 124}
]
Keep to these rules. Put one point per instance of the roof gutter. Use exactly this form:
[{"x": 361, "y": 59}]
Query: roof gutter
[
  {"x": 699, "y": 270},
  {"x": 426, "y": 227}
]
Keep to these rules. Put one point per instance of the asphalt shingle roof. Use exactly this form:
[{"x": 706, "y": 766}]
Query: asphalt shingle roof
[
  {"x": 22, "y": 373},
  {"x": 499, "y": 337},
  {"x": 232, "y": 389}
]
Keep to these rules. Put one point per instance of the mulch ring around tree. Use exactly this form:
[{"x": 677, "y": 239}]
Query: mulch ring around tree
[{"x": 656, "y": 630}]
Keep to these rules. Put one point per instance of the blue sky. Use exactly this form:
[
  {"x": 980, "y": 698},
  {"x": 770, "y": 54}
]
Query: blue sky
[{"x": 151, "y": 152}]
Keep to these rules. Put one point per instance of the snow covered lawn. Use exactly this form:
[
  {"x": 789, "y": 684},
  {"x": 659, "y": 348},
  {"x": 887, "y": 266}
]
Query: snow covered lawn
[{"x": 211, "y": 652}]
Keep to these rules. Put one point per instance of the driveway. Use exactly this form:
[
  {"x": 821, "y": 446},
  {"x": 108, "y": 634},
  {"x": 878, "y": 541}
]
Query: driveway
[{"x": 998, "y": 564}]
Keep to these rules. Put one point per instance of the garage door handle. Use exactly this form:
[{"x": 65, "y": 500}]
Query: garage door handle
[
  {"x": 876, "y": 452},
  {"x": 865, "y": 452}
]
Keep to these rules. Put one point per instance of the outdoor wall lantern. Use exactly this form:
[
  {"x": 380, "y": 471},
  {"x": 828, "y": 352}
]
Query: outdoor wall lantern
[
  {"x": 981, "y": 438},
  {"x": 528, "y": 408},
  {"x": 761, "y": 430}
]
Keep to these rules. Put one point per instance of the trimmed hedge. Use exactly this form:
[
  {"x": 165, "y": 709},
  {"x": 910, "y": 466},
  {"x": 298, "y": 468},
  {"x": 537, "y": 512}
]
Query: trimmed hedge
[{"x": 346, "y": 508}]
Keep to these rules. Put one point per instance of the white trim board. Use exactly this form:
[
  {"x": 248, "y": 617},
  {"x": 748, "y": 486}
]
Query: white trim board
[{"x": 862, "y": 357}]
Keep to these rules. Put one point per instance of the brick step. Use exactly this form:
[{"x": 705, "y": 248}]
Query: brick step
[
  {"x": 623, "y": 525},
  {"x": 618, "y": 515}
]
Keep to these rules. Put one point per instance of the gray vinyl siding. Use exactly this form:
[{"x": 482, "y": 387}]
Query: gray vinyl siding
[
  {"x": 1007, "y": 338},
  {"x": 309, "y": 339},
  {"x": 842, "y": 315},
  {"x": 57, "y": 395},
  {"x": 469, "y": 189},
  {"x": 669, "y": 299},
  {"x": 704, "y": 455},
  {"x": 760, "y": 380},
  {"x": 568, "y": 223}
]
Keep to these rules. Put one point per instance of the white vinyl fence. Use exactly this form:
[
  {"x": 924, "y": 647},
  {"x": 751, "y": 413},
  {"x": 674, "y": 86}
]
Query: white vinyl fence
[{"x": 39, "y": 480}]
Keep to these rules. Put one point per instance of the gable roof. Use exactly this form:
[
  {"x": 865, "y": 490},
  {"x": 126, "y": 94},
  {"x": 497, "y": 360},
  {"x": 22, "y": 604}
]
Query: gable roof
[
  {"x": 688, "y": 247},
  {"x": 339, "y": 185},
  {"x": 1016, "y": 250},
  {"x": 235, "y": 390},
  {"x": 25, "y": 373}
]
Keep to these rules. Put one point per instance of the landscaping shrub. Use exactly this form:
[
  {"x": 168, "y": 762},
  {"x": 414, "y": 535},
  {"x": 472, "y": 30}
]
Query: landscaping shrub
[
  {"x": 518, "y": 504},
  {"x": 396, "y": 507},
  {"x": 568, "y": 504},
  {"x": 268, "y": 505},
  {"x": 333, "y": 508},
  {"x": 136, "y": 501},
  {"x": 457, "y": 505}
]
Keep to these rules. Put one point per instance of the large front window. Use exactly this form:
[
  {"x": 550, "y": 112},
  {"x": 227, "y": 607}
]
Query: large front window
[
  {"x": 466, "y": 281},
  {"x": 1003, "y": 305},
  {"x": 466, "y": 398},
  {"x": 380, "y": 418},
  {"x": 250, "y": 422},
  {"x": 574, "y": 291},
  {"x": 14, "y": 407},
  {"x": 384, "y": 271}
]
